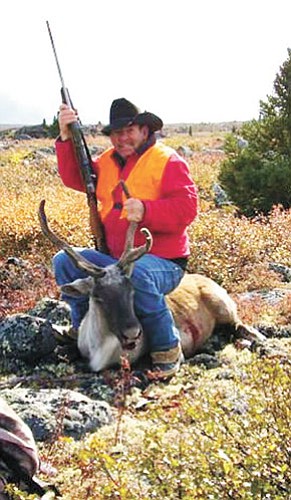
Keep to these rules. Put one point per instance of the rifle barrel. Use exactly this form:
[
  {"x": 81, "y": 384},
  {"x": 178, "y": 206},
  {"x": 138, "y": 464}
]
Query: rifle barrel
[
  {"x": 85, "y": 163},
  {"x": 64, "y": 89}
]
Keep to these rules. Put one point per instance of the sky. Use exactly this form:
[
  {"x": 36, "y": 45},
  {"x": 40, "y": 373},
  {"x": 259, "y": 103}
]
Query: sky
[{"x": 184, "y": 60}]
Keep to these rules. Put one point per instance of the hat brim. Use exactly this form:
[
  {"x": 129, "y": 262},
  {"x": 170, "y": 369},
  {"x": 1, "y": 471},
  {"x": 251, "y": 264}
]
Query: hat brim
[
  {"x": 120, "y": 123},
  {"x": 153, "y": 122}
]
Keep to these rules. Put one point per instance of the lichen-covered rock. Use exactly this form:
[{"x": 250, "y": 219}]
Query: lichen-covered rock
[
  {"x": 285, "y": 271},
  {"x": 272, "y": 297},
  {"x": 278, "y": 348},
  {"x": 30, "y": 131},
  {"x": 55, "y": 311},
  {"x": 27, "y": 338},
  {"x": 203, "y": 359},
  {"x": 272, "y": 331},
  {"x": 54, "y": 412}
]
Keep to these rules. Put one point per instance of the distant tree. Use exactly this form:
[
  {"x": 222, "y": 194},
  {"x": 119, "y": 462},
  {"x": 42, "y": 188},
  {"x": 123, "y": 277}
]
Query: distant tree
[
  {"x": 190, "y": 130},
  {"x": 54, "y": 129},
  {"x": 258, "y": 176}
]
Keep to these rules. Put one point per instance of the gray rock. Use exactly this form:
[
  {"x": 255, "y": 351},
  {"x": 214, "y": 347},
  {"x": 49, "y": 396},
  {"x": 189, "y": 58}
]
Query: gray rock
[
  {"x": 278, "y": 348},
  {"x": 272, "y": 297},
  {"x": 96, "y": 150},
  {"x": 22, "y": 137},
  {"x": 46, "y": 151},
  {"x": 36, "y": 131},
  {"x": 16, "y": 261},
  {"x": 4, "y": 145},
  {"x": 285, "y": 271},
  {"x": 185, "y": 151},
  {"x": 58, "y": 412},
  {"x": 242, "y": 143},
  {"x": 55, "y": 311},
  {"x": 272, "y": 331},
  {"x": 207, "y": 360},
  {"x": 220, "y": 196},
  {"x": 27, "y": 338}
]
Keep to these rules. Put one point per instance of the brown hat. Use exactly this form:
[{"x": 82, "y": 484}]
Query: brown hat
[{"x": 124, "y": 113}]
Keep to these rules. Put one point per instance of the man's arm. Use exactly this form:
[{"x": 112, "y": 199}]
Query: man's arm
[
  {"x": 69, "y": 169},
  {"x": 68, "y": 166},
  {"x": 177, "y": 206}
]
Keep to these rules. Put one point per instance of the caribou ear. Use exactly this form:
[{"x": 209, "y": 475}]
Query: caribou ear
[{"x": 78, "y": 287}]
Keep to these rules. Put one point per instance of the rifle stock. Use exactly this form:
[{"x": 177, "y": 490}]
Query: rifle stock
[{"x": 85, "y": 164}]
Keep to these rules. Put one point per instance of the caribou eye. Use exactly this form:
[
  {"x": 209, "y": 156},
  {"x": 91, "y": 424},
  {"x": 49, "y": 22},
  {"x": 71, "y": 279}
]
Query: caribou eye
[
  {"x": 99, "y": 300},
  {"x": 96, "y": 295}
]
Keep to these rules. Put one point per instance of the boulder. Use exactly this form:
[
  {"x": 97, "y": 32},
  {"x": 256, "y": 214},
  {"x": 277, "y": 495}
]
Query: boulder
[
  {"x": 26, "y": 338},
  {"x": 36, "y": 131},
  {"x": 51, "y": 413}
]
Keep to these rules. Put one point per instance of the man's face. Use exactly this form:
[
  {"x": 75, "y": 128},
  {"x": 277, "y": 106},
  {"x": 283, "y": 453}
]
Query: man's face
[{"x": 127, "y": 139}]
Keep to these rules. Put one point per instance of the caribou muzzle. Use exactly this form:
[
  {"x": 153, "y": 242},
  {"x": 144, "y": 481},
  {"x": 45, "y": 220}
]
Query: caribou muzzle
[
  {"x": 130, "y": 338},
  {"x": 110, "y": 284}
]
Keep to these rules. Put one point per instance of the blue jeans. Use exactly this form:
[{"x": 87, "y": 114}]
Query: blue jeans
[{"x": 152, "y": 278}]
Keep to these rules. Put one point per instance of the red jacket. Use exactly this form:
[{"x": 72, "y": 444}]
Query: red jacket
[{"x": 167, "y": 217}]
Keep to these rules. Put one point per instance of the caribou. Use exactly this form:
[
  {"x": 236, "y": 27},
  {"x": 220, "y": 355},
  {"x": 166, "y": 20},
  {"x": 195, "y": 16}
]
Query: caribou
[{"x": 110, "y": 327}]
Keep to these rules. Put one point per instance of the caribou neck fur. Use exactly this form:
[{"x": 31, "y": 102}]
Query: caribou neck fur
[{"x": 110, "y": 325}]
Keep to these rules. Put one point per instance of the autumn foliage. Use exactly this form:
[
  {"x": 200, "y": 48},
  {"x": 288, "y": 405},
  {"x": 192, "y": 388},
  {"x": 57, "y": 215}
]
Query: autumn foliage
[
  {"x": 235, "y": 251},
  {"x": 210, "y": 434}
]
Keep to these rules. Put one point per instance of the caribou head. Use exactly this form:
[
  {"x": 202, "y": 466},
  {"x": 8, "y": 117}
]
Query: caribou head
[{"x": 109, "y": 289}]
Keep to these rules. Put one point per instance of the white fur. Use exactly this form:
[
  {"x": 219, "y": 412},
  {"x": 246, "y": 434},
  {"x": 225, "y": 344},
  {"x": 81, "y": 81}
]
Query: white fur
[
  {"x": 99, "y": 345},
  {"x": 198, "y": 304}
]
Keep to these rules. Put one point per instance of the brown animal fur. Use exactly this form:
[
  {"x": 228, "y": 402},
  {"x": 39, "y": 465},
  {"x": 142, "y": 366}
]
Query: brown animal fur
[{"x": 198, "y": 305}]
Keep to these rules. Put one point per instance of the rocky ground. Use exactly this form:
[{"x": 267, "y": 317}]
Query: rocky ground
[
  {"x": 53, "y": 390},
  {"x": 45, "y": 384}
]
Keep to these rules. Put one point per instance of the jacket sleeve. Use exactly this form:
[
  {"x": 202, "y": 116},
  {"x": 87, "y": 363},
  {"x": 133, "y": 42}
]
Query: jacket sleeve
[
  {"x": 68, "y": 166},
  {"x": 177, "y": 206}
]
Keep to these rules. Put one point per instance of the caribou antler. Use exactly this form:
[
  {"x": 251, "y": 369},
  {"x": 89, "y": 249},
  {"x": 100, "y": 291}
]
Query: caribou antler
[
  {"x": 78, "y": 259},
  {"x": 128, "y": 256},
  {"x": 131, "y": 254}
]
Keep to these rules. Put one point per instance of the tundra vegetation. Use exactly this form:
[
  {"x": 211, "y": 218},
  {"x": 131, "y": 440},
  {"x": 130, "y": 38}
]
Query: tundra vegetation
[
  {"x": 216, "y": 433},
  {"x": 219, "y": 433}
]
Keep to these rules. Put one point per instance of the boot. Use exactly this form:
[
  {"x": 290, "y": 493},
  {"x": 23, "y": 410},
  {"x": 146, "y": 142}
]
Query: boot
[{"x": 166, "y": 363}]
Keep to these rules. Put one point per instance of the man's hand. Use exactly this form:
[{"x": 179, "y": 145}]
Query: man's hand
[
  {"x": 66, "y": 116},
  {"x": 134, "y": 209}
]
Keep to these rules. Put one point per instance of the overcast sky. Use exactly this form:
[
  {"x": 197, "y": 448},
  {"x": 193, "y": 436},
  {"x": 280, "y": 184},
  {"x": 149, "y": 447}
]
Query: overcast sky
[{"x": 185, "y": 60}]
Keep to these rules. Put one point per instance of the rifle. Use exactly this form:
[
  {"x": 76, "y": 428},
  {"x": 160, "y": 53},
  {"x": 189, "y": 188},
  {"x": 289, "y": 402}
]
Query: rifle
[{"x": 85, "y": 163}]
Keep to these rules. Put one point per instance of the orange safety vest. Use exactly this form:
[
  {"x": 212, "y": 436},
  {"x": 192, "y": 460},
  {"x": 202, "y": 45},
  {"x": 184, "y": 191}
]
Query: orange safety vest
[{"x": 143, "y": 181}]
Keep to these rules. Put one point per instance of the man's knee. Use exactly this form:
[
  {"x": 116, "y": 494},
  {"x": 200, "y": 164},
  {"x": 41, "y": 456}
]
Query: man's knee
[
  {"x": 59, "y": 260},
  {"x": 140, "y": 277},
  {"x": 64, "y": 269}
]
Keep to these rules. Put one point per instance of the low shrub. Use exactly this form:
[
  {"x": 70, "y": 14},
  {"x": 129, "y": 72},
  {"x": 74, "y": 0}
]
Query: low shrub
[{"x": 209, "y": 438}]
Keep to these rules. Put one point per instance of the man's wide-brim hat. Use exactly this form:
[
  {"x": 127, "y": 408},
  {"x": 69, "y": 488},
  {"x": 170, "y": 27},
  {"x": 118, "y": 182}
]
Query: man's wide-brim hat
[{"x": 123, "y": 114}]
